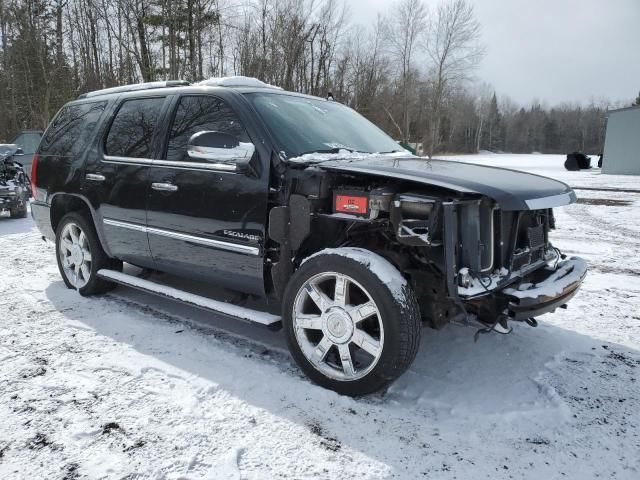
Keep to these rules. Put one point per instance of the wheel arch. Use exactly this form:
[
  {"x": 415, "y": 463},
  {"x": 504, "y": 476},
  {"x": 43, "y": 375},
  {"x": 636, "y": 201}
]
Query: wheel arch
[
  {"x": 375, "y": 242},
  {"x": 63, "y": 203}
]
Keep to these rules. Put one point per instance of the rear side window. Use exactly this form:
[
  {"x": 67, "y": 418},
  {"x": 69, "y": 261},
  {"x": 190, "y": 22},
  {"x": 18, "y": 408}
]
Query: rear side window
[
  {"x": 70, "y": 132},
  {"x": 197, "y": 113},
  {"x": 131, "y": 133}
]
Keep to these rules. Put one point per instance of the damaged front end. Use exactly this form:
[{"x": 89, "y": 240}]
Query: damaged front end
[
  {"x": 469, "y": 256},
  {"x": 14, "y": 184},
  {"x": 527, "y": 276},
  {"x": 465, "y": 254}
]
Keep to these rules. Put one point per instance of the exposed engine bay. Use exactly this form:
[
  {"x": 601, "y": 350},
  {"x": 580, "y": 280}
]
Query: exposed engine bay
[
  {"x": 14, "y": 183},
  {"x": 460, "y": 251}
]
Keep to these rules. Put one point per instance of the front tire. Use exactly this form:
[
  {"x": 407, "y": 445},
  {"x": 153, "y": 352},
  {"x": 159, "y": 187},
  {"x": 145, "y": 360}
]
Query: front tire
[
  {"x": 80, "y": 255},
  {"x": 352, "y": 321}
]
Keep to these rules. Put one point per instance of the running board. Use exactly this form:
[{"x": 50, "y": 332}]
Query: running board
[{"x": 273, "y": 322}]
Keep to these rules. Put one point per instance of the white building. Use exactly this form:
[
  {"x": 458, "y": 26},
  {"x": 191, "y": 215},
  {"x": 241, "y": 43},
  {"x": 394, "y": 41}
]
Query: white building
[{"x": 622, "y": 142}]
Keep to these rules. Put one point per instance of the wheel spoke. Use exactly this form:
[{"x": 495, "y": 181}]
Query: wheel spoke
[
  {"x": 86, "y": 254},
  {"x": 366, "y": 342},
  {"x": 362, "y": 312},
  {"x": 322, "y": 349},
  {"x": 73, "y": 233},
  {"x": 310, "y": 322},
  {"x": 345, "y": 359},
  {"x": 319, "y": 298},
  {"x": 82, "y": 239},
  {"x": 74, "y": 276},
  {"x": 340, "y": 291},
  {"x": 66, "y": 244},
  {"x": 85, "y": 272}
]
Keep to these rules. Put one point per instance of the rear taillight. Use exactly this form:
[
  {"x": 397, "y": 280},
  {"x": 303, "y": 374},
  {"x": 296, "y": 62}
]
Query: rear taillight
[{"x": 34, "y": 167}]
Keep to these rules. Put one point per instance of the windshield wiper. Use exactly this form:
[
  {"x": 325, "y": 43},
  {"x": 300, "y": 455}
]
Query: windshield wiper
[{"x": 328, "y": 150}]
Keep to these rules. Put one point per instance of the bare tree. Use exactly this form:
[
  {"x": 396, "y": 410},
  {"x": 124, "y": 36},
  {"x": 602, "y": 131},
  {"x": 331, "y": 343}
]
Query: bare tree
[
  {"x": 408, "y": 20},
  {"x": 453, "y": 46},
  {"x": 52, "y": 50}
]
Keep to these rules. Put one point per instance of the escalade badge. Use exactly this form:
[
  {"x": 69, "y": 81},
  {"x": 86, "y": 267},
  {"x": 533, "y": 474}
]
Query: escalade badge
[{"x": 243, "y": 235}]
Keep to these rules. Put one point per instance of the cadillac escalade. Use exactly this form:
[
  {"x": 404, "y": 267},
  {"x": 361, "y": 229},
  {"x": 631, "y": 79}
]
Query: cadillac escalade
[{"x": 303, "y": 202}]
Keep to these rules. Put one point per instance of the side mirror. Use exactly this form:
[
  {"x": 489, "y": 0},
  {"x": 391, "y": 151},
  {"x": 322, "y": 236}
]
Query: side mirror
[
  {"x": 221, "y": 148},
  {"x": 19, "y": 152}
]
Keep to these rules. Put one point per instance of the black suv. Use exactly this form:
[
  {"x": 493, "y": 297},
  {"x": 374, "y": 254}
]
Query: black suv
[{"x": 301, "y": 201}]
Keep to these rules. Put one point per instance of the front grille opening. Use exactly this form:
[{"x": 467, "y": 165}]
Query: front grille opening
[
  {"x": 536, "y": 236},
  {"x": 531, "y": 239}
]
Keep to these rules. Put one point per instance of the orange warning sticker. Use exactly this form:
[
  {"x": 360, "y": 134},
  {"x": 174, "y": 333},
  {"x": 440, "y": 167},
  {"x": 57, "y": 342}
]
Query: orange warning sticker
[{"x": 351, "y": 204}]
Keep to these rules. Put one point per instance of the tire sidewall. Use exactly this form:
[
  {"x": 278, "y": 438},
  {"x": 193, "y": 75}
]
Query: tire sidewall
[
  {"x": 390, "y": 309},
  {"x": 94, "y": 248}
]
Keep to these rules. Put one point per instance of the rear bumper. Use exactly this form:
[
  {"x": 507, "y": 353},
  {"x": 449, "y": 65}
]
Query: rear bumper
[
  {"x": 546, "y": 289},
  {"x": 41, "y": 213},
  {"x": 7, "y": 201}
]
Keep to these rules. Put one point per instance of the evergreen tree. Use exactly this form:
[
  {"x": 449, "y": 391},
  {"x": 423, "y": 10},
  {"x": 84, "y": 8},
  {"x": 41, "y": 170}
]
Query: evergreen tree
[
  {"x": 494, "y": 129},
  {"x": 551, "y": 135},
  {"x": 638, "y": 99}
]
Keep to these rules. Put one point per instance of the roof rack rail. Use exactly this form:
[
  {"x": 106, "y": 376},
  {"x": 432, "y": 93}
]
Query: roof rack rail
[
  {"x": 236, "y": 81},
  {"x": 134, "y": 87}
]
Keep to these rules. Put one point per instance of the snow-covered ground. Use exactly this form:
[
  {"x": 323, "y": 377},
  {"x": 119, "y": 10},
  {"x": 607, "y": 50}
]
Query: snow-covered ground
[{"x": 130, "y": 386}]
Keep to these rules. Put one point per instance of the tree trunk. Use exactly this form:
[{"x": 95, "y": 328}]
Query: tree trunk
[{"x": 145, "y": 59}]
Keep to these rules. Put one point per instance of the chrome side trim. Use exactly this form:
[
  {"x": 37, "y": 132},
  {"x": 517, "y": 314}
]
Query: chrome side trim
[
  {"x": 219, "y": 167},
  {"x": 553, "y": 201},
  {"x": 209, "y": 242},
  {"x": 131, "y": 226},
  {"x": 127, "y": 160},
  {"x": 233, "y": 247},
  {"x": 224, "y": 167}
]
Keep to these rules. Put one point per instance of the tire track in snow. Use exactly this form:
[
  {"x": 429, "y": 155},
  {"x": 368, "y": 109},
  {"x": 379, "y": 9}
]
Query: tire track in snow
[{"x": 582, "y": 215}]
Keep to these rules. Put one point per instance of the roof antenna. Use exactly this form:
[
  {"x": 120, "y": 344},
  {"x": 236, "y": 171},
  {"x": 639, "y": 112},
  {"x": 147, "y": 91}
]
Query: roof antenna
[{"x": 330, "y": 97}]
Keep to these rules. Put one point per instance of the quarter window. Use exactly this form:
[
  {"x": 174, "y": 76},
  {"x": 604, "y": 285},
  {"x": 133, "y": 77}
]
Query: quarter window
[
  {"x": 199, "y": 113},
  {"x": 70, "y": 131},
  {"x": 132, "y": 130}
]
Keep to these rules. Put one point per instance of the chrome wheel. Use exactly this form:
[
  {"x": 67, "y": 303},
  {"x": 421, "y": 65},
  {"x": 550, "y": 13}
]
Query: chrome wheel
[
  {"x": 338, "y": 326},
  {"x": 75, "y": 256}
]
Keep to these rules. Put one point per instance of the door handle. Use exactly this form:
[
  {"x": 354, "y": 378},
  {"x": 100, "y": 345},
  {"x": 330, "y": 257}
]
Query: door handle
[
  {"x": 164, "y": 187},
  {"x": 95, "y": 177}
]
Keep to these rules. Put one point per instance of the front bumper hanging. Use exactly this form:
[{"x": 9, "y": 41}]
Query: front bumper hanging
[{"x": 545, "y": 289}]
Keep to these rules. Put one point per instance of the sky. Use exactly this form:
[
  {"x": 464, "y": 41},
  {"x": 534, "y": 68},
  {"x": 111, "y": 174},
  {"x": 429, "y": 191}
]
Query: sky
[{"x": 552, "y": 51}]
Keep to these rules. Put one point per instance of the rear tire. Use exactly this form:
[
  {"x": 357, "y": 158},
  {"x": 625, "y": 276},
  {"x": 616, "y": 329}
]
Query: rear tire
[
  {"x": 19, "y": 212},
  {"x": 351, "y": 320},
  {"x": 80, "y": 255}
]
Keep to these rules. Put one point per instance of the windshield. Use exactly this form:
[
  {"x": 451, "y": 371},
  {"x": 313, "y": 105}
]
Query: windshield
[
  {"x": 8, "y": 149},
  {"x": 28, "y": 141},
  {"x": 307, "y": 125}
]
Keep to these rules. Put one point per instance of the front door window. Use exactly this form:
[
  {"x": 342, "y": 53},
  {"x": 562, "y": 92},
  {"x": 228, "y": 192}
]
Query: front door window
[{"x": 200, "y": 113}]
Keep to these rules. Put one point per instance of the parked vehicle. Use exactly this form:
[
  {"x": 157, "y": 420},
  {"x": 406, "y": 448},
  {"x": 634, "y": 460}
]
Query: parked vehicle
[
  {"x": 577, "y": 161},
  {"x": 304, "y": 202},
  {"x": 14, "y": 183},
  {"x": 28, "y": 141}
]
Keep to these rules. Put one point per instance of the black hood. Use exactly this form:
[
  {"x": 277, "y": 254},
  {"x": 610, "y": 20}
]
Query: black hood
[{"x": 511, "y": 189}]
